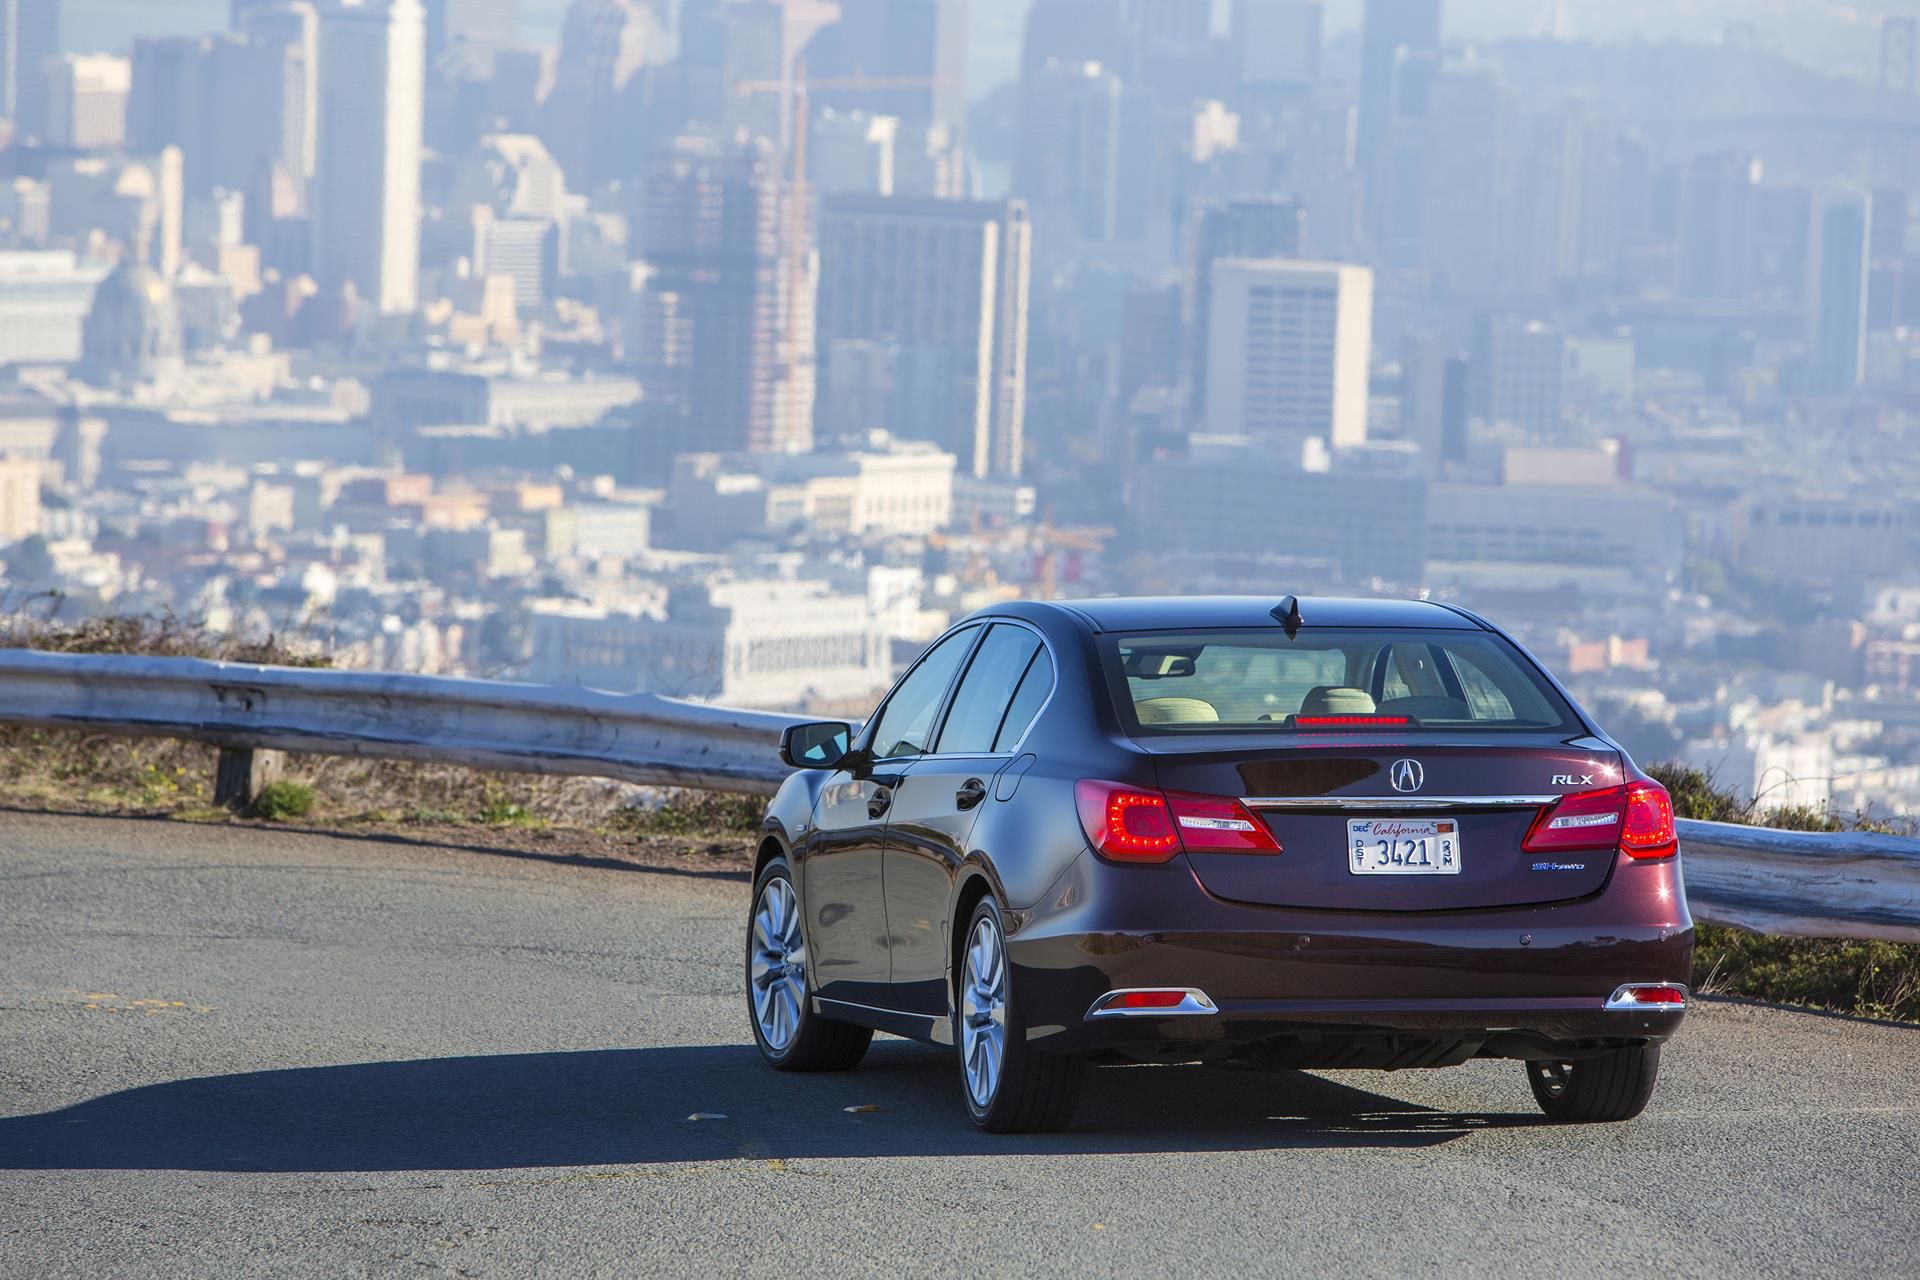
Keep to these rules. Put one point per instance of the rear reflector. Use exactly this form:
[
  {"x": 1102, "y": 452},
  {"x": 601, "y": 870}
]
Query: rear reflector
[
  {"x": 1150, "y": 1002},
  {"x": 1648, "y": 995},
  {"x": 1133, "y": 824}
]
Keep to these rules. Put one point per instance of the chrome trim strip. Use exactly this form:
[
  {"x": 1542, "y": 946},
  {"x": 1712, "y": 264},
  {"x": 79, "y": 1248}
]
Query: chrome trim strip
[
  {"x": 1619, "y": 1001},
  {"x": 1194, "y": 1002},
  {"x": 1396, "y": 802}
]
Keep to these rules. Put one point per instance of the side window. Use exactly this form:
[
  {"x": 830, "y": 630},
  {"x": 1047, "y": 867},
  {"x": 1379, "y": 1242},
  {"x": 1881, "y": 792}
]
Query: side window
[
  {"x": 906, "y": 722},
  {"x": 981, "y": 702},
  {"x": 1033, "y": 690}
]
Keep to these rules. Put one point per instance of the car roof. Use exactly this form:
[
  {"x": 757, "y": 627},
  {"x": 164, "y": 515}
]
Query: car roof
[{"x": 1168, "y": 613}]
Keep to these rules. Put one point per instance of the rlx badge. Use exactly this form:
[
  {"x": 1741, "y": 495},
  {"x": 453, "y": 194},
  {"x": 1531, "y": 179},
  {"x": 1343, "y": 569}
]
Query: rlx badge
[
  {"x": 1407, "y": 775},
  {"x": 1568, "y": 780}
]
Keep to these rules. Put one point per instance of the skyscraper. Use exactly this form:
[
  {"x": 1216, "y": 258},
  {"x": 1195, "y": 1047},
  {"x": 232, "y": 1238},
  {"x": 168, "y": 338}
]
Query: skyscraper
[
  {"x": 366, "y": 217},
  {"x": 1278, "y": 41},
  {"x": 1716, "y": 226},
  {"x": 923, "y": 41},
  {"x": 1288, "y": 352},
  {"x": 944, "y": 277},
  {"x": 480, "y": 24},
  {"x": 737, "y": 345},
  {"x": 1249, "y": 227},
  {"x": 29, "y": 35},
  {"x": 1395, "y": 30},
  {"x": 586, "y": 122},
  {"x": 87, "y": 100},
  {"x": 1840, "y": 324}
]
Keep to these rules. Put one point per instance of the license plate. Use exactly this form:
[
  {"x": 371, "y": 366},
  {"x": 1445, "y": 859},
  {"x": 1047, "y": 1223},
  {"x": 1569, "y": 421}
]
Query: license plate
[{"x": 1398, "y": 847}]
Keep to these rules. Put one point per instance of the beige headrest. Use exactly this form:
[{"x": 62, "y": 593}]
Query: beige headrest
[
  {"x": 1336, "y": 700},
  {"x": 1175, "y": 711}
]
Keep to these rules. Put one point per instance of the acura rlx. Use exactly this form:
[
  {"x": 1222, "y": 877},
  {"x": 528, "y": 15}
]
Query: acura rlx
[{"x": 1305, "y": 833}]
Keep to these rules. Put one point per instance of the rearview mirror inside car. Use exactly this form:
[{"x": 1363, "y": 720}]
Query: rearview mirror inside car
[{"x": 821, "y": 744}]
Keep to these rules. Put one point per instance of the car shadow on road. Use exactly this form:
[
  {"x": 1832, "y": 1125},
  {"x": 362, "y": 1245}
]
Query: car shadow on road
[{"x": 633, "y": 1106}]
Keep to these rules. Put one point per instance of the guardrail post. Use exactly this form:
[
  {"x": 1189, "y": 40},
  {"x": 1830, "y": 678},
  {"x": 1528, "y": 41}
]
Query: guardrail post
[{"x": 242, "y": 772}]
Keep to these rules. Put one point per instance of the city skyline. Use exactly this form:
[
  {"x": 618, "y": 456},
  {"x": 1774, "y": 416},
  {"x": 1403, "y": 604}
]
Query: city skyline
[{"x": 731, "y": 348}]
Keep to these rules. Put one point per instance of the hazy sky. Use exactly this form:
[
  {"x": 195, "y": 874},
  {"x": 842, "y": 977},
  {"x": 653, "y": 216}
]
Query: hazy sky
[{"x": 1836, "y": 34}]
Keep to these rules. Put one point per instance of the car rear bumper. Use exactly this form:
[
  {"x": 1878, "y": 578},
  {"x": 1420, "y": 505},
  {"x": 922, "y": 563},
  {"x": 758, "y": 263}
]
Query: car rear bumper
[{"x": 1508, "y": 981}]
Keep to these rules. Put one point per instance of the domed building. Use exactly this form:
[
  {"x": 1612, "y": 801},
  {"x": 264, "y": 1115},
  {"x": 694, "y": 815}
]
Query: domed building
[{"x": 132, "y": 332}]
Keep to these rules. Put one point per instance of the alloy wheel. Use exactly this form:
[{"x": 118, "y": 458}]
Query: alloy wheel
[
  {"x": 1553, "y": 1077},
  {"x": 983, "y": 1012},
  {"x": 777, "y": 968}
]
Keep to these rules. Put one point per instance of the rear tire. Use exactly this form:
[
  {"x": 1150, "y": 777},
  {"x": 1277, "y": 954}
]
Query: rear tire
[
  {"x": 1615, "y": 1086},
  {"x": 1008, "y": 1088},
  {"x": 791, "y": 1036}
]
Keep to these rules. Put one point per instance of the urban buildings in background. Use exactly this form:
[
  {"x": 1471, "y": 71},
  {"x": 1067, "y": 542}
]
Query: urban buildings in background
[{"x": 731, "y": 348}]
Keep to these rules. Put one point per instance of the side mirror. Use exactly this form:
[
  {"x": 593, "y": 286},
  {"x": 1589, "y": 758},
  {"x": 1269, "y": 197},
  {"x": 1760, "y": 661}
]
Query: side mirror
[{"x": 823, "y": 744}]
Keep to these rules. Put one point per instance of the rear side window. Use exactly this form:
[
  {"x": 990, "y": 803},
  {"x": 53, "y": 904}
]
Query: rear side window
[
  {"x": 1032, "y": 694},
  {"x": 1259, "y": 680},
  {"x": 980, "y": 704}
]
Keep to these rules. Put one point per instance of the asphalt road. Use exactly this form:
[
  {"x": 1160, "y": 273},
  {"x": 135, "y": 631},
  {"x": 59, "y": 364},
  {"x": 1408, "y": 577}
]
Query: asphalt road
[{"x": 228, "y": 1052}]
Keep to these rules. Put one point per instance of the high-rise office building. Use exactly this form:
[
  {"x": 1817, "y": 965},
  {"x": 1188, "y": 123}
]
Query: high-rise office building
[
  {"x": 732, "y": 304},
  {"x": 1248, "y": 227},
  {"x": 29, "y": 36},
  {"x": 1288, "y": 352},
  {"x": 1519, "y": 372},
  {"x": 486, "y": 25},
  {"x": 1278, "y": 41},
  {"x": 87, "y": 100},
  {"x": 946, "y": 283},
  {"x": 1393, "y": 31},
  {"x": 287, "y": 34},
  {"x": 366, "y": 216},
  {"x": 1393, "y": 28},
  {"x": 764, "y": 44},
  {"x": 588, "y": 122},
  {"x": 921, "y": 45},
  {"x": 1840, "y": 323},
  {"x": 1716, "y": 226}
]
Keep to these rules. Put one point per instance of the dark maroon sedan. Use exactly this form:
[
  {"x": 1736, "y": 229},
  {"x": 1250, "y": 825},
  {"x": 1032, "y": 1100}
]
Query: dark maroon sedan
[{"x": 1306, "y": 833}]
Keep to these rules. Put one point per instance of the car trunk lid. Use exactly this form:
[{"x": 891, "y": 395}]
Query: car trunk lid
[{"x": 1490, "y": 786}]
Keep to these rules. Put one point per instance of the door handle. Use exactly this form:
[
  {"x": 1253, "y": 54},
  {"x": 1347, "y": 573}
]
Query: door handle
[
  {"x": 971, "y": 793},
  {"x": 879, "y": 803}
]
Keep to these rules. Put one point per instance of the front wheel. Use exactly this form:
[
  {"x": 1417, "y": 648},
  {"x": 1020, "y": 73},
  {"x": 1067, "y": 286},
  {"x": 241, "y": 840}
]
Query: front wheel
[
  {"x": 790, "y": 1034},
  {"x": 1008, "y": 1087},
  {"x": 1614, "y": 1086}
]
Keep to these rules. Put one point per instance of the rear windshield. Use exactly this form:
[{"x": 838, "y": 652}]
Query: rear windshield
[{"x": 1328, "y": 681}]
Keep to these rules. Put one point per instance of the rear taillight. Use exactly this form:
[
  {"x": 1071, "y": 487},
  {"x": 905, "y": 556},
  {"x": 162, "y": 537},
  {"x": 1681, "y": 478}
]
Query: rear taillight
[
  {"x": 1636, "y": 818},
  {"x": 1351, "y": 722},
  {"x": 1648, "y": 832},
  {"x": 1133, "y": 824},
  {"x": 1585, "y": 820}
]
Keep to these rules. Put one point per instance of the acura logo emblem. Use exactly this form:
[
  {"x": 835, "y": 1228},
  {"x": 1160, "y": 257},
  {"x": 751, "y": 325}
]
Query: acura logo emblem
[{"x": 1406, "y": 775}]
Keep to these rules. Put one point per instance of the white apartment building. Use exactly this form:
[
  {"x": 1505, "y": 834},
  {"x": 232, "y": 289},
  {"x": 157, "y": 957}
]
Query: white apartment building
[
  {"x": 87, "y": 100},
  {"x": 1288, "y": 348},
  {"x": 903, "y": 488},
  {"x": 771, "y": 643},
  {"x": 366, "y": 217},
  {"x": 44, "y": 300}
]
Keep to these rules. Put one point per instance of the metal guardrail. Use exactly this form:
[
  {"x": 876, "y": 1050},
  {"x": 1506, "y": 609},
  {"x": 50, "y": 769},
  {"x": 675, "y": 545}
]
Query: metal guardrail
[
  {"x": 488, "y": 724},
  {"x": 1815, "y": 885},
  {"x": 1846, "y": 884}
]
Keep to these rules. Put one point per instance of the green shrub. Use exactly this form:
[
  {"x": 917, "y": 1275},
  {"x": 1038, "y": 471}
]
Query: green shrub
[
  {"x": 281, "y": 800},
  {"x": 1868, "y": 978}
]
